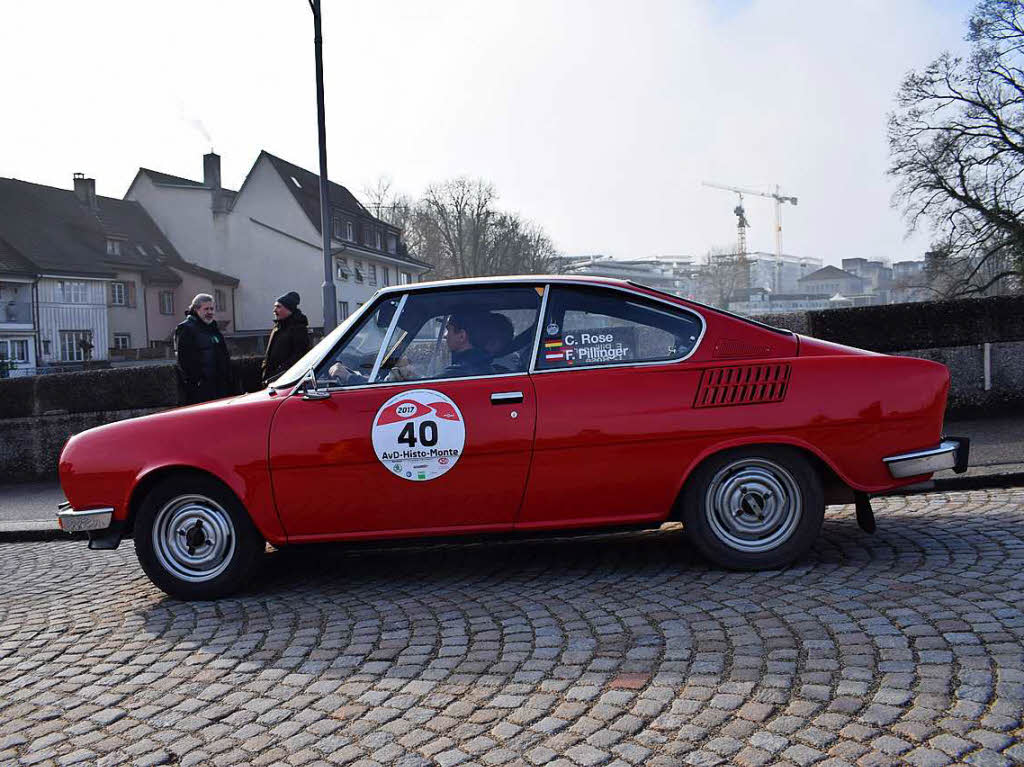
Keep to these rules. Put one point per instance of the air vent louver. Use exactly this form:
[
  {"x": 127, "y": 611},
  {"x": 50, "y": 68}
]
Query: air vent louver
[{"x": 742, "y": 385}]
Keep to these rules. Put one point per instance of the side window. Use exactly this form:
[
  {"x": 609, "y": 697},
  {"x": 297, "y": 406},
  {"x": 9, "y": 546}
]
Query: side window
[
  {"x": 442, "y": 334},
  {"x": 463, "y": 333},
  {"x": 593, "y": 326},
  {"x": 358, "y": 353}
]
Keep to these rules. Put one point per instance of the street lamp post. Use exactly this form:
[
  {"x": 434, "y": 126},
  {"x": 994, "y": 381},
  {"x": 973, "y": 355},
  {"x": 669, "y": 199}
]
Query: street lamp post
[{"x": 330, "y": 296}]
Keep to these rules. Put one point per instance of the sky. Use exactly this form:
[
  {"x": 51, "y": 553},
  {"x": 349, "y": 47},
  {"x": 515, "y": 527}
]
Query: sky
[{"x": 596, "y": 120}]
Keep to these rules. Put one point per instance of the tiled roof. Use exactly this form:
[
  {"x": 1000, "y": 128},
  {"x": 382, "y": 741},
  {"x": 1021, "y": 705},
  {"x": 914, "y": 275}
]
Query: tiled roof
[
  {"x": 216, "y": 277},
  {"x": 12, "y": 262},
  {"x": 168, "y": 179},
  {"x": 305, "y": 187},
  {"x": 55, "y": 232}
]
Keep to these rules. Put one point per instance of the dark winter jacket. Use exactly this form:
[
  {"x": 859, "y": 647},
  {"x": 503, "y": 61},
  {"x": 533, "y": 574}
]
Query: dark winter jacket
[
  {"x": 204, "y": 362},
  {"x": 469, "y": 362},
  {"x": 289, "y": 340}
]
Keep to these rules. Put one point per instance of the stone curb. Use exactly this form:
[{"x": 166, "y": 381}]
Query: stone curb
[{"x": 43, "y": 530}]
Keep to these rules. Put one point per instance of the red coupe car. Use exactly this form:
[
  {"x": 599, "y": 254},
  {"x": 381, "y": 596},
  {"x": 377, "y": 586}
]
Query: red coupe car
[{"x": 517, "y": 404}]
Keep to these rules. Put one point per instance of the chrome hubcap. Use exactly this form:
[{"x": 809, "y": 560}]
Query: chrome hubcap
[
  {"x": 193, "y": 538},
  {"x": 753, "y": 505}
]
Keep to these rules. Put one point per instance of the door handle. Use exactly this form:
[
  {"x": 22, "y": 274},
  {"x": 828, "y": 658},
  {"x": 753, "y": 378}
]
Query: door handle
[{"x": 506, "y": 398}]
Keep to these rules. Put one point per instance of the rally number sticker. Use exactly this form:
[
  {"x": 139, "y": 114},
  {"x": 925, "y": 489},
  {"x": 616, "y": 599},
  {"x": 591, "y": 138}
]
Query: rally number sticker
[{"x": 419, "y": 435}]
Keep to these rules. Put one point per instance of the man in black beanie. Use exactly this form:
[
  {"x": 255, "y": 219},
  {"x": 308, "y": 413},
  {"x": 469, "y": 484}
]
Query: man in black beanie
[{"x": 289, "y": 339}]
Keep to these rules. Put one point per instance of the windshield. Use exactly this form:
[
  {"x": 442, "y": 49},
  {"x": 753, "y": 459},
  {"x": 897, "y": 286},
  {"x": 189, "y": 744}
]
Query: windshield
[{"x": 291, "y": 376}]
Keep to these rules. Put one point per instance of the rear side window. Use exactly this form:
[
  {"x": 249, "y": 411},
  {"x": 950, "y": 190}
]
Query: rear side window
[{"x": 584, "y": 327}]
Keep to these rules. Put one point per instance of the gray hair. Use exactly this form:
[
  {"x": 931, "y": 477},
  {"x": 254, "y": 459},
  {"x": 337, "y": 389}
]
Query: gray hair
[{"x": 201, "y": 298}]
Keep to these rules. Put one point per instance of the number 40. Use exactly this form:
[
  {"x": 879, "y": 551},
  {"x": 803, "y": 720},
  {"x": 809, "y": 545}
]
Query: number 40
[{"x": 427, "y": 433}]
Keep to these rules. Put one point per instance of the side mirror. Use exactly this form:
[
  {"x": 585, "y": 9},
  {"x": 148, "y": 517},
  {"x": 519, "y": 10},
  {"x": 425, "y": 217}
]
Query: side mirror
[{"x": 310, "y": 389}]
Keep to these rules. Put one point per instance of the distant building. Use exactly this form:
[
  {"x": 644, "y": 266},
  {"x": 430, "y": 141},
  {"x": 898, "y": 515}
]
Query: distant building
[
  {"x": 104, "y": 277},
  {"x": 909, "y": 283},
  {"x": 830, "y": 280},
  {"x": 672, "y": 274},
  {"x": 782, "y": 274},
  {"x": 269, "y": 231}
]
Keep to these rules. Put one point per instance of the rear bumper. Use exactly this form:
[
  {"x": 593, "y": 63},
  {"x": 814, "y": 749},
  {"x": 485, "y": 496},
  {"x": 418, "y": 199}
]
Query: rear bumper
[{"x": 951, "y": 453}]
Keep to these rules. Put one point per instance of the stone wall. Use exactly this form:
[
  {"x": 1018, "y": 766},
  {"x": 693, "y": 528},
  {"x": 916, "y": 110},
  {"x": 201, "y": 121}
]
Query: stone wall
[{"x": 39, "y": 414}]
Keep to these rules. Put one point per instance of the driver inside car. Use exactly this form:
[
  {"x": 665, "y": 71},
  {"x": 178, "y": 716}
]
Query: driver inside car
[{"x": 472, "y": 338}]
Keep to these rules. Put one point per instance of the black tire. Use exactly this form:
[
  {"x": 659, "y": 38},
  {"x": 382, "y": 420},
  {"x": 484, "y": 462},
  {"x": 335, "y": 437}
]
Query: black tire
[
  {"x": 194, "y": 539},
  {"x": 754, "y": 508}
]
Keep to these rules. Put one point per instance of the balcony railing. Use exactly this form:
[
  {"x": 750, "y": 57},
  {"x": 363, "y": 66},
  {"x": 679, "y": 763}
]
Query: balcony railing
[{"x": 16, "y": 313}]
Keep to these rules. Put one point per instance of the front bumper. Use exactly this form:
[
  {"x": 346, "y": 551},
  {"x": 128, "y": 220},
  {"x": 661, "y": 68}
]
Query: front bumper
[
  {"x": 952, "y": 453},
  {"x": 72, "y": 521},
  {"x": 103, "y": 530}
]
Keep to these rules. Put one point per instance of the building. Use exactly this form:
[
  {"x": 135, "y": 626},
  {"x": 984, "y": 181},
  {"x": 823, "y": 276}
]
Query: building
[
  {"x": 780, "y": 274},
  {"x": 672, "y": 274},
  {"x": 17, "y": 319},
  {"x": 268, "y": 231},
  {"x": 104, "y": 278},
  {"x": 830, "y": 280}
]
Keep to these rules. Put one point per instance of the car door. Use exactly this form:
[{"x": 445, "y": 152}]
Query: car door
[
  {"x": 614, "y": 399},
  {"x": 417, "y": 446}
]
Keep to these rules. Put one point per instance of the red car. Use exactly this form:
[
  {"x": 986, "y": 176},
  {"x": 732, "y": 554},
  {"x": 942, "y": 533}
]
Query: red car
[{"x": 517, "y": 404}]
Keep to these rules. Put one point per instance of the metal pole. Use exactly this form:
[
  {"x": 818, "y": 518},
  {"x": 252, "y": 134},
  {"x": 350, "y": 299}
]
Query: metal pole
[{"x": 330, "y": 295}]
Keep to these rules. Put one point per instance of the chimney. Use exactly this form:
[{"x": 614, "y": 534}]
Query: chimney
[
  {"x": 85, "y": 191},
  {"x": 211, "y": 179}
]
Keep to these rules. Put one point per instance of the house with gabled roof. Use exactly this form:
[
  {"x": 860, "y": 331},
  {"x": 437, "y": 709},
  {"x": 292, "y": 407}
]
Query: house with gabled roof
[
  {"x": 104, "y": 277},
  {"x": 831, "y": 280},
  {"x": 268, "y": 233}
]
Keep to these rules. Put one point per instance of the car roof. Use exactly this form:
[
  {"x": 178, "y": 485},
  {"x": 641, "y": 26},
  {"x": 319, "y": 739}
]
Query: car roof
[{"x": 510, "y": 279}]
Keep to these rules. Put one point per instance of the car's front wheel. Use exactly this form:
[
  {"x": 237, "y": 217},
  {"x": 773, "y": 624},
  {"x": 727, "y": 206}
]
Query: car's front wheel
[
  {"x": 754, "y": 508},
  {"x": 194, "y": 539}
]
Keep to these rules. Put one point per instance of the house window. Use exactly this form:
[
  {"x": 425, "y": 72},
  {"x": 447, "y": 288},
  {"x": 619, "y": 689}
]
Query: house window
[
  {"x": 367, "y": 234},
  {"x": 14, "y": 350},
  {"x": 392, "y": 244},
  {"x": 350, "y": 232},
  {"x": 122, "y": 340},
  {"x": 142, "y": 250},
  {"x": 373, "y": 274},
  {"x": 336, "y": 226},
  {"x": 73, "y": 293},
  {"x": 159, "y": 250},
  {"x": 341, "y": 269},
  {"x": 378, "y": 241},
  {"x": 118, "y": 294},
  {"x": 113, "y": 247},
  {"x": 219, "y": 300},
  {"x": 385, "y": 276},
  {"x": 359, "y": 271},
  {"x": 46, "y": 347},
  {"x": 166, "y": 302},
  {"x": 406, "y": 278},
  {"x": 75, "y": 345},
  {"x": 342, "y": 310}
]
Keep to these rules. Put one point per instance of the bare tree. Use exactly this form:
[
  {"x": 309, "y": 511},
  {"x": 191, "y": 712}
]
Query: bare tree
[
  {"x": 722, "y": 274},
  {"x": 457, "y": 228},
  {"x": 956, "y": 141}
]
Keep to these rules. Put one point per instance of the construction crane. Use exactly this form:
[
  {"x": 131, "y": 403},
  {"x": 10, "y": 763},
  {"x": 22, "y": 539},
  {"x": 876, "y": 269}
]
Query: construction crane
[{"x": 742, "y": 223}]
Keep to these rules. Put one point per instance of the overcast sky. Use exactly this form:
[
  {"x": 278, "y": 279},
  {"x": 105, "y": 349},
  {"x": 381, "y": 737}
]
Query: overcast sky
[{"x": 597, "y": 120}]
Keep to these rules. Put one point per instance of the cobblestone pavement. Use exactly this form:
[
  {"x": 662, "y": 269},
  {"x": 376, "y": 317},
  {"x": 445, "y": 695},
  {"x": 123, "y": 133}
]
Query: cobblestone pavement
[{"x": 902, "y": 647}]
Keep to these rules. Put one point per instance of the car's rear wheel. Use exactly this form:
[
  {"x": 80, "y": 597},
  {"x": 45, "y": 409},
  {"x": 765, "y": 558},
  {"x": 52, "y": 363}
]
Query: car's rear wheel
[
  {"x": 754, "y": 508},
  {"x": 194, "y": 539}
]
